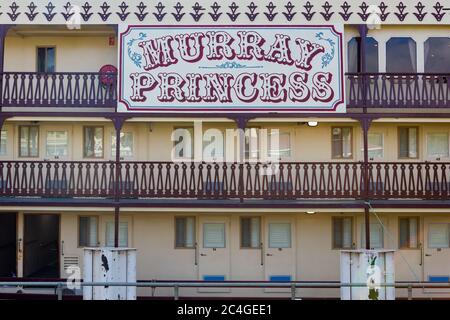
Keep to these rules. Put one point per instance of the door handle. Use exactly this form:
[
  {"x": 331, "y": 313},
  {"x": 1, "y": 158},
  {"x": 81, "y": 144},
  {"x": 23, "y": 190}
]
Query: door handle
[
  {"x": 19, "y": 245},
  {"x": 428, "y": 255},
  {"x": 421, "y": 254},
  {"x": 203, "y": 255},
  {"x": 269, "y": 254},
  {"x": 261, "y": 247},
  {"x": 196, "y": 254},
  {"x": 62, "y": 248}
]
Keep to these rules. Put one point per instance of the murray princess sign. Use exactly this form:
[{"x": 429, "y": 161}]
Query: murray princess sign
[{"x": 231, "y": 69}]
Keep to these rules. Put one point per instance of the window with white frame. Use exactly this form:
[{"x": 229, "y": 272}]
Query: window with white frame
[
  {"x": 376, "y": 235},
  {"x": 126, "y": 144},
  {"x": 88, "y": 231},
  {"x": 437, "y": 145},
  {"x": 93, "y": 142},
  {"x": 252, "y": 143},
  {"x": 123, "y": 234},
  {"x": 408, "y": 140},
  {"x": 409, "y": 233},
  {"x": 3, "y": 143},
  {"x": 183, "y": 143},
  {"x": 28, "y": 141},
  {"x": 341, "y": 142},
  {"x": 342, "y": 232},
  {"x": 184, "y": 232},
  {"x": 375, "y": 144},
  {"x": 213, "y": 145},
  {"x": 57, "y": 143},
  {"x": 250, "y": 232},
  {"x": 279, "y": 144}
]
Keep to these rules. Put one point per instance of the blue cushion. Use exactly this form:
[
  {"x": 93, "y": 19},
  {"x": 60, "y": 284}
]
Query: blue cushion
[
  {"x": 439, "y": 278},
  {"x": 280, "y": 278},
  {"x": 214, "y": 278}
]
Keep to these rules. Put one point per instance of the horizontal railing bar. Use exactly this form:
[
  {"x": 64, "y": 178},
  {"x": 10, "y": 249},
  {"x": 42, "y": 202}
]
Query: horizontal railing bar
[{"x": 226, "y": 284}]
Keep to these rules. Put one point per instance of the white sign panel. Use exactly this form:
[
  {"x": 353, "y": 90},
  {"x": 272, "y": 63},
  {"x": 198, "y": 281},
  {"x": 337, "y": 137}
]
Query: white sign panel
[{"x": 231, "y": 69}]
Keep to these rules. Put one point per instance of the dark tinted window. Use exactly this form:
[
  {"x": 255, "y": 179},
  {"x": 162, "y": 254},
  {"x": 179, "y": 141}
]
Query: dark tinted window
[
  {"x": 401, "y": 55},
  {"x": 437, "y": 55},
  {"x": 354, "y": 51},
  {"x": 46, "y": 59}
]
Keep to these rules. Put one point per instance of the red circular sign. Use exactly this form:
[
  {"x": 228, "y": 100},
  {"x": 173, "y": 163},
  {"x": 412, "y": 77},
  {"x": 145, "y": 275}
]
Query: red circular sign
[{"x": 108, "y": 74}]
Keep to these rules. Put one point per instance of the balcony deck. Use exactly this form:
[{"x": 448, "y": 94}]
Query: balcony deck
[
  {"x": 287, "y": 181},
  {"x": 71, "y": 90}
]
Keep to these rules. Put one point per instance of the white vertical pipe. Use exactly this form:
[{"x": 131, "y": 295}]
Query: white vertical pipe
[{"x": 87, "y": 273}]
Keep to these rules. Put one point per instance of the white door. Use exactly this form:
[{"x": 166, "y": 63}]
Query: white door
[
  {"x": 214, "y": 251},
  {"x": 437, "y": 251},
  {"x": 279, "y": 245}
]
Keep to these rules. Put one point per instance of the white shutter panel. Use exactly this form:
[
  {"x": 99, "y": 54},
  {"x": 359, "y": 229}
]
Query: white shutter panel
[
  {"x": 413, "y": 222},
  {"x": 123, "y": 234},
  {"x": 376, "y": 235},
  {"x": 279, "y": 235},
  {"x": 214, "y": 235},
  {"x": 255, "y": 230},
  {"x": 190, "y": 230},
  {"x": 110, "y": 234},
  {"x": 438, "y": 235},
  {"x": 93, "y": 237},
  {"x": 347, "y": 230}
]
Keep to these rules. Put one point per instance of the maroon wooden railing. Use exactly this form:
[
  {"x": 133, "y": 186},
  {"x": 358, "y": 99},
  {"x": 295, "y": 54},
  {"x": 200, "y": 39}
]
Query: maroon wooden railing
[
  {"x": 287, "y": 180},
  {"x": 57, "y": 179},
  {"x": 83, "y": 89},
  {"x": 389, "y": 90},
  {"x": 69, "y": 89}
]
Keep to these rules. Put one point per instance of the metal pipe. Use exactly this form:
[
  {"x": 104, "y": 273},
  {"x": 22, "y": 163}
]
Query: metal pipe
[
  {"x": 175, "y": 292},
  {"x": 59, "y": 291},
  {"x": 118, "y": 123},
  {"x": 228, "y": 284}
]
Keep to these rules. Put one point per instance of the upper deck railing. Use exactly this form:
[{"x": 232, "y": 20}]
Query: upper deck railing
[
  {"x": 93, "y": 89},
  {"x": 398, "y": 90},
  {"x": 69, "y": 89}
]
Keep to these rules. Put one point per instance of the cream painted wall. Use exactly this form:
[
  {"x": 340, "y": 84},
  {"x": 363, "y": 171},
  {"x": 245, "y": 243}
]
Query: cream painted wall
[
  {"x": 152, "y": 141},
  {"x": 90, "y": 53},
  {"x": 153, "y": 235},
  {"x": 73, "y": 54}
]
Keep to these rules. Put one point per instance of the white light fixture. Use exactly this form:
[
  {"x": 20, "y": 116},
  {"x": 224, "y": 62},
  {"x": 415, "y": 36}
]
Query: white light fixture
[
  {"x": 310, "y": 212},
  {"x": 312, "y": 123}
]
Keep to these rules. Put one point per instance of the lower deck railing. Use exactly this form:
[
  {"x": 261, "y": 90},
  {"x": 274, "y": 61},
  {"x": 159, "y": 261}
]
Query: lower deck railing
[
  {"x": 286, "y": 180},
  {"x": 292, "y": 287}
]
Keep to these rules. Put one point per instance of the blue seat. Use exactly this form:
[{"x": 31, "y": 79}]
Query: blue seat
[{"x": 214, "y": 278}]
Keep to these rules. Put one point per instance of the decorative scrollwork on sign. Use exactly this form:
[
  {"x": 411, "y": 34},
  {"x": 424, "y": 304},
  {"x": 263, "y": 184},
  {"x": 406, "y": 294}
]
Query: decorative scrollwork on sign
[
  {"x": 134, "y": 56},
  {"x": 230, "y": 65},
  {"x": 328, "y": 56}
]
